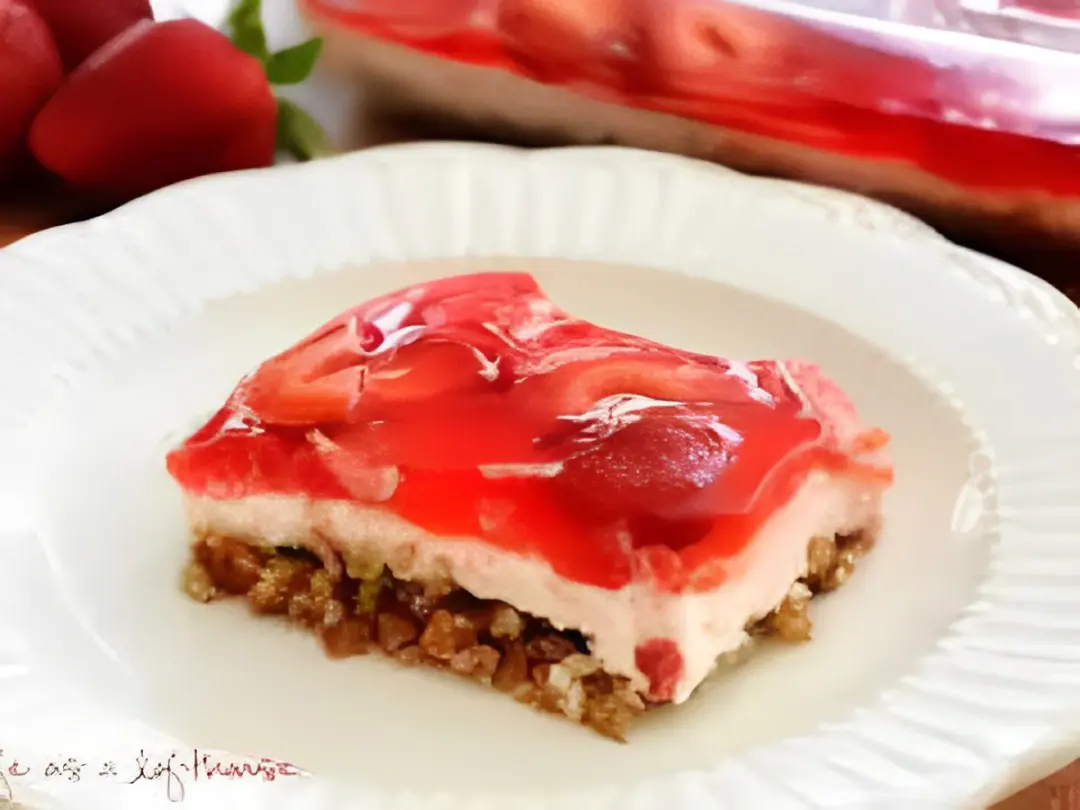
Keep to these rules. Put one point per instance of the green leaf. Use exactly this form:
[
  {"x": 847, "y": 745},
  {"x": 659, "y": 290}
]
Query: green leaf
[
  {"x": 299, "y": 134},
  {"x": 245, "y": 25},
  {"x": 293, "y": 65}
]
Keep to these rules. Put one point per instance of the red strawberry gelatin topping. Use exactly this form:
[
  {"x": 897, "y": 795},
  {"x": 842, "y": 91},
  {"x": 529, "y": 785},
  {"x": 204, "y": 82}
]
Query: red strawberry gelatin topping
[{"x": 474, "y": 407}]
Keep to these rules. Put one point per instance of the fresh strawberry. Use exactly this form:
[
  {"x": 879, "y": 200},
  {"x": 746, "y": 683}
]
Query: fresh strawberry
[
  {"x": 660, "y": 660},
  {"x": 30, "y": 72},
  {"x": 653, "y": 467},
  {"x": 319, "y": 380},
  {"x": 80, "y": 27},
  {"x": 165, "y": 102},
  {"x": 577, "y": 387},
  {"x": 328, "y": 380}
]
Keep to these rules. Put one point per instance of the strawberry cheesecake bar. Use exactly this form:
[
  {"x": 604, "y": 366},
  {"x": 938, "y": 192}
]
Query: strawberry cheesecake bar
[{"x": 460, "y": 474}]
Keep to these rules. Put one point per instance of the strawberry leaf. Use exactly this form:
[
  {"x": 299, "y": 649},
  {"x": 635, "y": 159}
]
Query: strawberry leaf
[
  {"x": 299, "y": 134},
  {"x": 245, "y": 25},
  {"x": 293, "y": 65}
]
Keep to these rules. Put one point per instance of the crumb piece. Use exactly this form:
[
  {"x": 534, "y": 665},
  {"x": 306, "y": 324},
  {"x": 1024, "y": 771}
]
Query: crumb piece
[
  {"x": 234, "y": 565},
  {"x": 820, "y": 558},
  {"x": 513, "y": 670},
  {"x": 609, "y": 715},
  {"x": 859, "y": 543},
  {"x": 791, "y": 620},
  {"x": 574, "y": 700},
  {"x": 479, "y": 662},
  {"x": 580, "y": 665},
  {"x": 333, "y": 612},
  {"x": 322, "y": 585},
  {"x": 599, "y": 683},
  {"x": 348, "y": 637},
  {"x": 506, "y": 622},
  {"x": 550, "y": 647},
  {"x": 840, "y": 572},
  {"x": 413, "y": 596},
  {"x": 314, "y": 605},
  {"x": 540, "y": 674},
  {"x": 280, "y": 579},
  {"x": 849, "y": 548},
  {"x": 559, "y": 678},
  {"x": 396, "y": 632},
  {"x": 465, "y": 632},
  {"x": 437, "y": 640},
  {"x": 197, "y": 582}
]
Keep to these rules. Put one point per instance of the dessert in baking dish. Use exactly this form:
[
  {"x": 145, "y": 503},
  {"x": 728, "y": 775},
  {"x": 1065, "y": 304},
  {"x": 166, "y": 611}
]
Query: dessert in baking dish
[{"x": 463, "y": 475}]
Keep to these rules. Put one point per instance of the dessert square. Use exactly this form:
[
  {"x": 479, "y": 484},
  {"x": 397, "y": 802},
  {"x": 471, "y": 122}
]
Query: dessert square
[{"x": 462, "y": 475}]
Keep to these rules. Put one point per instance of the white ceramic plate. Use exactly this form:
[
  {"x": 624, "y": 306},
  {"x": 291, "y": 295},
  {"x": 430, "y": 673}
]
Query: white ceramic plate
[{"x": 946, "y": 672}]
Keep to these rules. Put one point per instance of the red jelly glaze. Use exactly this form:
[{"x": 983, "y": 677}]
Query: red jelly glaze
[
  {"x": 473, "y": 406},
  {"x": 659, "y": 660},
  {"x": 732, "y": 66}
]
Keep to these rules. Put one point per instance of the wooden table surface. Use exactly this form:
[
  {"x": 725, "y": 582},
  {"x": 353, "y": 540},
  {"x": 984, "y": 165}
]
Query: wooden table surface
[{"x": 25, "y": 213}]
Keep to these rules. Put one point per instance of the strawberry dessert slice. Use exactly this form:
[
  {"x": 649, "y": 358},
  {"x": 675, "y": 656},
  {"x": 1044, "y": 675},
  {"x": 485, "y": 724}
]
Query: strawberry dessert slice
[{"x": 462, "y": 474}]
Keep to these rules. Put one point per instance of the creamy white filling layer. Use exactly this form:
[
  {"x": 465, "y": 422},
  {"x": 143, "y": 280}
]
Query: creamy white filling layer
[{"x": 705, "y": 625}]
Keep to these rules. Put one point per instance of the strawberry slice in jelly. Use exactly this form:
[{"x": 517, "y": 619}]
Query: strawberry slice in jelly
[
  {"x": 596, "y": 37},
  {"x": 474, "y": 407}
]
